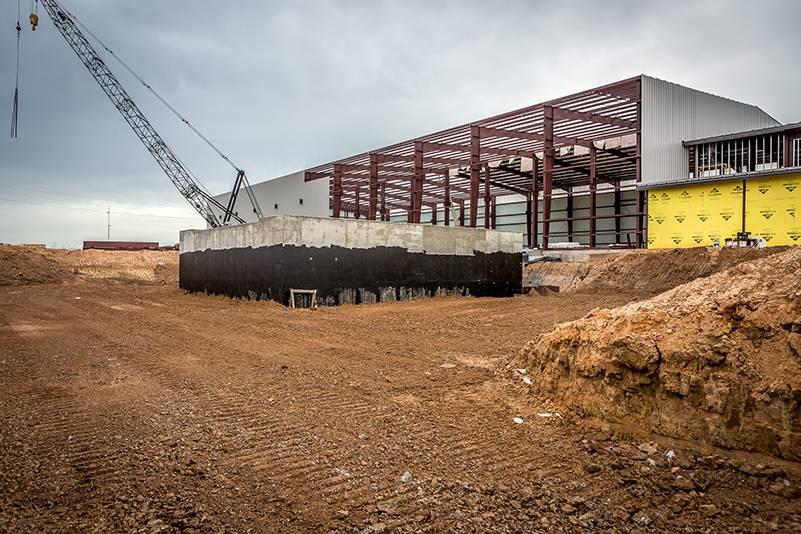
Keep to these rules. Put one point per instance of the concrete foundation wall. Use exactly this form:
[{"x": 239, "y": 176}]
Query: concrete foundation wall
[{"x": 349, "y": 261}]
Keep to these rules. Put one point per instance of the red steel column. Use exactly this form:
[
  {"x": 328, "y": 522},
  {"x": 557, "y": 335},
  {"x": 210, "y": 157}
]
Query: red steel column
[
  {"x": 487, "y": 198},
  {"x": 434, "y": 213},
  {"x": 493, "y": 219},
  {"x": 419, "y": 177},
  {"x": 593, "y": 193},
  {"x": 357, "y": 212},
  {"x": 461, "y": 212},
  {"x": 639, "y": 205},
  {"x": 788, "y": 151},
  {"x": 569, "y": 211},
  {"x": 384, "y": 214},
  {"x": 447, "y": 203},
  {"x": 528, "y": 220},
  {"x": 336, "y": 204},
  {"x": 547, "y": 174},
  {"x": 373, "y": 206},
  {"x": 535, "y": 203},
  {"x": 618, "y": 226},
  {"x": 475, "y": 169}
]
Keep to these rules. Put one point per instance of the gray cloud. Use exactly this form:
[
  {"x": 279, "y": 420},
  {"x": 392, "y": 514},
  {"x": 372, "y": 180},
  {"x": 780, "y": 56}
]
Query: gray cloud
[{"x": 285, "y": 85}]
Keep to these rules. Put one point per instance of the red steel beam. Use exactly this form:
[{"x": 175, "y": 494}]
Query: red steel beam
[
  {"x": 529, "y": 136},
  {"x": 508, "y": 152},
  {"x": 394, "y": 158},
  {"x": 391, "y": 168},
  {"x": 567, "y": 114}
]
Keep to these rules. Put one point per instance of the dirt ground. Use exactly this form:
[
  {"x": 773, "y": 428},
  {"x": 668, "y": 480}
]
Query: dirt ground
[{"x": 132, "y": 406}]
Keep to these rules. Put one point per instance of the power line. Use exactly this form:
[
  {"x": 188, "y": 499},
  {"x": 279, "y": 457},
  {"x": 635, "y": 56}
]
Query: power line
[
  {"x": 59, "y": 195},
  {"x": 71, "y": 187},
  {"x": 56, "y": 201},
  {"x": 153, "y": 91},
  {"x": 62, "y": 206}
]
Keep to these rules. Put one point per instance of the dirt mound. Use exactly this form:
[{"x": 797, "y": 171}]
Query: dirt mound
[
  {"x": 650, "y": 271},
  {"x": 717, "y": 360},
  {"x": 144, "y": 265},
  {"x": 26, "y": 265}
]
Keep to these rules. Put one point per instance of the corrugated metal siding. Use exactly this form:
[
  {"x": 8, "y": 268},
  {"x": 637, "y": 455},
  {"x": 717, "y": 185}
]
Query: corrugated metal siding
[
  {"x": 673, "y": 113},
  {"x": 286, "y": 192}
]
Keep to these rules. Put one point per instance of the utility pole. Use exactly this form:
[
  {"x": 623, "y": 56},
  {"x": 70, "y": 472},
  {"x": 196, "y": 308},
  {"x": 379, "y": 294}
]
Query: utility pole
[{"x": 108, "y": 224}]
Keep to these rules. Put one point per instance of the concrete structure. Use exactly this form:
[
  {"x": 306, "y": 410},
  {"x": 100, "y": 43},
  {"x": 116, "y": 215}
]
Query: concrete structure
[{"x": 349, "y": 261}]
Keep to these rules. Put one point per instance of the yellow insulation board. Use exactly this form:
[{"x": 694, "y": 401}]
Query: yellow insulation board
[
  {"x": 773, "y": 209},
  {"x": 694, "y": 215}
]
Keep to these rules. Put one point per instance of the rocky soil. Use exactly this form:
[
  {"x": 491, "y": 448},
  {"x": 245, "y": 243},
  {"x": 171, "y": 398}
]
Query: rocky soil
[{"x": 717, "y": 360}]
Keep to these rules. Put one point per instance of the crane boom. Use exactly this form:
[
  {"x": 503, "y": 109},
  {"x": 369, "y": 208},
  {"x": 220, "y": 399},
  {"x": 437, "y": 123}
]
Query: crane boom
[{"x": 161, "y": 152}]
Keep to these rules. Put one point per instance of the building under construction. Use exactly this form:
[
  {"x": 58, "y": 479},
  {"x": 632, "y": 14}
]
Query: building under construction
[{"x": 639, "y": 162}]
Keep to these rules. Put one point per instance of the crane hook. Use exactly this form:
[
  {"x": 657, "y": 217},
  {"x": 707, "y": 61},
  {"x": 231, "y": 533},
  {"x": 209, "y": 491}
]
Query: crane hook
[{"x": 34, "y": 14}]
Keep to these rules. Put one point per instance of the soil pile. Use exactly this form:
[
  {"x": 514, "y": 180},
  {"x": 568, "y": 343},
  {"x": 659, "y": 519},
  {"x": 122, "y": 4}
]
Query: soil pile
[
  {"x": 717, "y": 360},
  {"x": 28, "y": 265},
  {"x": 138, "y": 266},
  {"x": 650, "y": 271},
  {"x": 23, "y": 265}
]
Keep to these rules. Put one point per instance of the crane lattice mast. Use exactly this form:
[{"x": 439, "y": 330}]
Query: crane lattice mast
[{"x": 161, "y": 152}]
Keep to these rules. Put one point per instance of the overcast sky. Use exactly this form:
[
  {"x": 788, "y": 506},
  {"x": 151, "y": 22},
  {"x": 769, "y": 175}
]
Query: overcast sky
[{"x": 282, "y": 86}]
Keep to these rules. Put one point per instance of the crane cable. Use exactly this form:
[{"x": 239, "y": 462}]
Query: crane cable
[
  {"x": 15, "y": 109},
  {"x": 153, "y": 91}
]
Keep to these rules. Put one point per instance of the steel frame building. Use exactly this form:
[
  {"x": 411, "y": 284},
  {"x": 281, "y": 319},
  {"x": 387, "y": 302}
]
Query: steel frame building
[
  {"x": 574, "y": 169},
  {"x": 528, "y": 152}
]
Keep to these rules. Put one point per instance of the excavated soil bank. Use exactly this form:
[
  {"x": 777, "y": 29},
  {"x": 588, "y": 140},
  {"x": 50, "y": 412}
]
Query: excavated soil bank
[
  {"x": 649, "y": 271},
  {"x": 717, "y": 360},
  {"x": 21, "y": 265}
]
